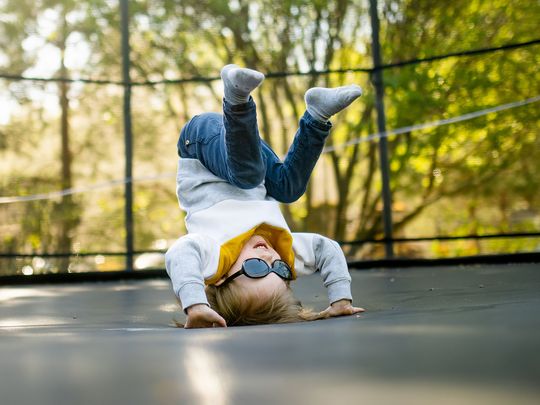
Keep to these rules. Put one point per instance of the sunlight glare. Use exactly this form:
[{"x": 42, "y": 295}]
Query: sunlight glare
[{"x": 206, "y": 376}]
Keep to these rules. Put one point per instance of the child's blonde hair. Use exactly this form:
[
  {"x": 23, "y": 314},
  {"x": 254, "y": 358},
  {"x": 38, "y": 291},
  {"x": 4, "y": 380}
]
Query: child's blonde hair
[{"x": 238, "y": 309}]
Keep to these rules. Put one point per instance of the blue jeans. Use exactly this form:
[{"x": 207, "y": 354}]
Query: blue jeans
[{"x": 229, "y": 146}]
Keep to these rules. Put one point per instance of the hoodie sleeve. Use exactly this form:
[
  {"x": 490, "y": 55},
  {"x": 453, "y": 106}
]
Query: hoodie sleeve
[
  {"x": 315, "y": 252},
  {"x": 186, "y": 261}
]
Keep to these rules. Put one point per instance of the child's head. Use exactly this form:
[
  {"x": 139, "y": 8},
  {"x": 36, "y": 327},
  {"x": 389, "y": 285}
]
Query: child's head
[
  {"x": 248, "y": 301},
  {"x": 259, "y": 248}
]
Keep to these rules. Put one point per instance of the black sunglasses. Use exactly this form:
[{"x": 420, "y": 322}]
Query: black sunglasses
[{"x": 258, "y": 268}]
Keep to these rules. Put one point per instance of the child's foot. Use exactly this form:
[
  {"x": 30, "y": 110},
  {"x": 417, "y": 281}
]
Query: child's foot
[
  {"x": 239, "y": 82},
  {"x": 322, "y": 103}
]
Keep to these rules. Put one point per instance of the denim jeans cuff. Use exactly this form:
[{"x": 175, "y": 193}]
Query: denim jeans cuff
[
  {"x": 325, "y": 126},
  {"x": 239, "y": 107}
]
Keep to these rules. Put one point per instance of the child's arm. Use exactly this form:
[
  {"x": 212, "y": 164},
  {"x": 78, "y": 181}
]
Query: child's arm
[
  {"x": 185, "y": 261},
  {"x": 315, "y": 252}
]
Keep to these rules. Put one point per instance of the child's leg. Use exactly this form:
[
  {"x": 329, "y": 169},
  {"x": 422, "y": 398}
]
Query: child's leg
[
  {"x": 287, "y": 181},
  {"x": 229, "y": 145}
]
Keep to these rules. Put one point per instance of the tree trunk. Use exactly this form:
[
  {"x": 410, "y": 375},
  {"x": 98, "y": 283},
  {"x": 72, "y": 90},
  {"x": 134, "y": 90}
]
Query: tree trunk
[{"x": 67, "y": 219}]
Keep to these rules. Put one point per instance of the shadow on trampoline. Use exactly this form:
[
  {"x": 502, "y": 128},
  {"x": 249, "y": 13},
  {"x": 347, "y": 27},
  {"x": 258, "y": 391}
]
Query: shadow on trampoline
[{"x": 455, "y": 334}]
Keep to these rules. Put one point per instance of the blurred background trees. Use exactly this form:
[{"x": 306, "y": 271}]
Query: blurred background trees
[{"x": 479, "y": 176}]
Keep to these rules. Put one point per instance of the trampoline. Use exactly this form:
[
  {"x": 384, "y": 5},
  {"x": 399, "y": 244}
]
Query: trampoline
[{"x": 448, "y": 334}]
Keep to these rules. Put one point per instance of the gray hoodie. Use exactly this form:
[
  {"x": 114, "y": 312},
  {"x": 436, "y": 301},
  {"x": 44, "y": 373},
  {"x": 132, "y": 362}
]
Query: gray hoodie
[{"x": 218, "y": 212}]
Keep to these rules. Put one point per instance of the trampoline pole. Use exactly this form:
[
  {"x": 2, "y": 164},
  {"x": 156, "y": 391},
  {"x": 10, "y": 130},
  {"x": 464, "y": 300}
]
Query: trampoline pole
[
  {"x": 128, "y": 188},
  {"x": 378, "y": 83}
]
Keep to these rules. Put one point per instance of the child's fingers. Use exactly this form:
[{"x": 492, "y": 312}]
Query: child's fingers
[
  {"x": 343, "y": 311},
  {"x": 219, "y": 322},
  {"x": 324, "y": 314}
]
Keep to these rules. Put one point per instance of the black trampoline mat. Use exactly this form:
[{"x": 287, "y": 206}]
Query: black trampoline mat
[{"x": 440, "y": 335}]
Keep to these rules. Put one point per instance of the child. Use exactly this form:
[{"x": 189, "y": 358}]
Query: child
[{"x": 238, "y": 242}]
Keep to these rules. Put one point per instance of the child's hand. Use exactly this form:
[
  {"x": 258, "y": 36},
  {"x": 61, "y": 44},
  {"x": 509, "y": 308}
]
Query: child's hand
[
  {"x": 340, "y": 308},
  {"x": 202, "y": 316}
]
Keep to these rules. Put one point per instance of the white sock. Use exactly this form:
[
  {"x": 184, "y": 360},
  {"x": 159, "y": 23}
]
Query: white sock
[
  {"x": 322, "y": 103},
  {"x": 239, "y": 82}
]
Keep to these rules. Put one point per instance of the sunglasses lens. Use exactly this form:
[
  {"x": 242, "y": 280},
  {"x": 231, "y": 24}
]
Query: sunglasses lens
[
  {"x": 256, "y": 267},
  {"x": 282, "y": 269}
]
